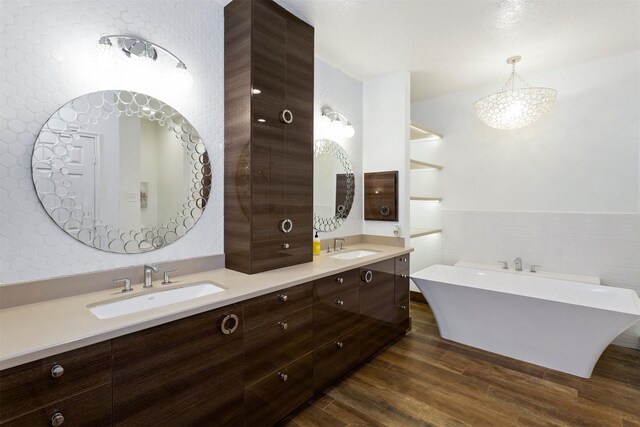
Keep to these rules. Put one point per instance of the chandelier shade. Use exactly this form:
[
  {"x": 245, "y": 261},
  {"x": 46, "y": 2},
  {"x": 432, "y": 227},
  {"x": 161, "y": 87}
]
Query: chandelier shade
[{"x": 514, "y": 108}]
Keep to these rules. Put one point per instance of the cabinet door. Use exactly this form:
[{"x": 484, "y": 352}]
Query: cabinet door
[
  {"x": 377, "y": 308},
  {"x": 186, "y": 372}
]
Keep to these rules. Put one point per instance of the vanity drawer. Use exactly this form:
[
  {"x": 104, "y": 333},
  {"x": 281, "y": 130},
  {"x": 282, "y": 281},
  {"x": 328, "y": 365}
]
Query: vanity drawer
[
  {"x": 91, "y": 408},
  {"x": 334, "y": 316},
  {"x": 403, "y": 324},
  {"x": 335, "y": 358},
  {"x": 271, "y": 346},
  {"x": 402, "y": 264},
  {"x": 272, "y": 307},
  {"x": 33, "y": 385},
  {"x": 401, "y": 287},
  {"x": 336, "y": 283},
  {"x": 279, "y": 393}
]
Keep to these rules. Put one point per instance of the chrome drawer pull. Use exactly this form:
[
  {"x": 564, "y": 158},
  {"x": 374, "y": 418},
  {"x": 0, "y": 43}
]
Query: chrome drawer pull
[
  {"x": 285, "y": 245},
  {"x": 403, "y": 260},
  {"x": 340, "y": 345},
  {"x": 283, "y": 325},
  {"x": 340, "y": 302},
  {"x": 283, "y": 376},
  {"x": 283, "y": 297},
  {"x": 57, "y": 419},
  {"x": 57, "y": 371},
  {"x": 402, "y": 306},
  {"x": 404, "y": 276},
  {"x": 229, "y": 324},
  {"x": 286, "y": 117},
  {"x": 339, "y": 280}
]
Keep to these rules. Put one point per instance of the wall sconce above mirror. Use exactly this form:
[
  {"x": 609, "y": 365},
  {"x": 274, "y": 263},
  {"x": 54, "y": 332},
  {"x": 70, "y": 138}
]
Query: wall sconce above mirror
[
  {"x": 121, "y": 171},
  {"x": 336, "y": 124},
  {"x": 333, "y": 185},
  {"x": 116, "y": 47}
]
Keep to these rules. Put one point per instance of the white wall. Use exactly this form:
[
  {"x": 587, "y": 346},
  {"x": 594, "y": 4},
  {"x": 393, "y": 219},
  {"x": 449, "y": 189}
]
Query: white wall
[
  {"x": 562, "y": 193},
  {"x": 47, "y": 61},
  {"x": 386, "y": 106},
  {"x": 334, "y": 89}
]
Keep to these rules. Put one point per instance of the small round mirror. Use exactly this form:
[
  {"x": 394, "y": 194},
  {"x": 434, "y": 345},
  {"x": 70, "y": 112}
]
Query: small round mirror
[
  {"x": 333, "y": 185},
  {"x": 121, "y": 171}
]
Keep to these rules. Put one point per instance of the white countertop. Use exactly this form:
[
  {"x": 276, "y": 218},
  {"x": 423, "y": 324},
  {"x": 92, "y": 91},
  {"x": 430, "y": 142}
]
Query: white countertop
[{"x": 33, "y": 331}]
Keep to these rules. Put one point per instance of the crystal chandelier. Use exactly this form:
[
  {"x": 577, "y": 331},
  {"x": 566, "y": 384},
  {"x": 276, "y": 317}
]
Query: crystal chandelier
[{"x": 513, "y": 108}]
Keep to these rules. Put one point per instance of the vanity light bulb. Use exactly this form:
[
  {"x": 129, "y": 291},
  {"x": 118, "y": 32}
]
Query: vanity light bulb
[
  {"x": 324, "y": 121},
  {"x": 348, "y": 131},
  {"x": 335, "y": 127}
]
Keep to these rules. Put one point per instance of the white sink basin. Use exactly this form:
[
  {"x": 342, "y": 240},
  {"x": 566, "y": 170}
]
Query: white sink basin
[
  {"x": 359, "y": 253},
  {"x": 153, "y": 300}
]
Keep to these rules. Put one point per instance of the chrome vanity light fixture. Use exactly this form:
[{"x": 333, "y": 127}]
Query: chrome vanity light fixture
[
  {"x": 337, "y": 123},
  {"x": 143, "y": 51},
  {"x": 513, "y": 108}
]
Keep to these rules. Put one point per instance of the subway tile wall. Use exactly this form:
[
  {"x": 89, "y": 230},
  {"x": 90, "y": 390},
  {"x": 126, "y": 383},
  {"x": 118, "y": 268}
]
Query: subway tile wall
[{"x": 595, "y": 244}]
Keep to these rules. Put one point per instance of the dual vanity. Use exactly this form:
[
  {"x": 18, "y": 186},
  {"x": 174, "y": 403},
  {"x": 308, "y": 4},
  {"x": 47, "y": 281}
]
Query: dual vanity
[{"x": 250, "y": 353}]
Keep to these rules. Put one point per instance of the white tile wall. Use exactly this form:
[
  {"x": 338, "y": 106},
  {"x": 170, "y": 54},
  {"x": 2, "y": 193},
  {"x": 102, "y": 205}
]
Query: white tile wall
[
  {"x": 597, "y": 244},
  {"x": 45, "y": 48}
]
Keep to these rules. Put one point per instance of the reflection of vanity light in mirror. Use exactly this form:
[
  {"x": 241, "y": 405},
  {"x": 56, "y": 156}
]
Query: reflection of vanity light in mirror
[
  {"x": 121, "y": 171},
  {"x": 141, "y": 57},
  {"x": 333, "y": 185},
  {"x": 336, "y": 124}
]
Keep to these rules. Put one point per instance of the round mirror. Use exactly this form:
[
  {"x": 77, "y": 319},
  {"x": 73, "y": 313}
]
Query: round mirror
[
  {"x": 121, "y": 171},
  {"x": 333, "y": 185}
]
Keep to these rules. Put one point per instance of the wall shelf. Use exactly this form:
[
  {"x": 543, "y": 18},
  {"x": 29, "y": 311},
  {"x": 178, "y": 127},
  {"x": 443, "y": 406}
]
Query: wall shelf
[
  {"x": 426, "y": 199},
  {"x": 421, "y": 133},
  {"x": 418, "y": 165},
  {"x": 419, "y": 232}
]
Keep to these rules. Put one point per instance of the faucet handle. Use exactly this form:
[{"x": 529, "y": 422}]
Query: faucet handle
[
  {"x": 505, "y": 264},
  {"x": 166, "y": 280},
  {"x": 533, "y": 268},
  {"x": 127, "y": 284}
]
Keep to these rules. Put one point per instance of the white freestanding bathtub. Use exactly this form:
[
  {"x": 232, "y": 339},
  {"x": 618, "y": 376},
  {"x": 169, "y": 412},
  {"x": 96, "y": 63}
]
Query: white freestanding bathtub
[{"x": 557, "y": 324}]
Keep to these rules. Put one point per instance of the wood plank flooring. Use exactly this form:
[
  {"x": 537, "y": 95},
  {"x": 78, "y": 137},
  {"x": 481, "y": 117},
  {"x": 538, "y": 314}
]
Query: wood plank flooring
[{"x": 424, "y": 380}]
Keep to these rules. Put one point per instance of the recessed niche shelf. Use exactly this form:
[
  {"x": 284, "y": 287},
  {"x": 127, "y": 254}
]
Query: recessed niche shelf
[
  {"x": 419, "y": 232},
  {"x": 419, "y": 165},
  {"x": 421, "y": 133},
  {"x": 426, "y": 199}
]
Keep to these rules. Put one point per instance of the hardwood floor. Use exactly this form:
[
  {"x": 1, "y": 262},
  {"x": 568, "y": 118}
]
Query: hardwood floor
[{"x": 423, "y": 379}]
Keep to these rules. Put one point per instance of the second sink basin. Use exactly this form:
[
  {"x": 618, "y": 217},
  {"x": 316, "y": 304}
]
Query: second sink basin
[
  {"x": 151, "y": 300},
  {"x": 359, "y": 253}
]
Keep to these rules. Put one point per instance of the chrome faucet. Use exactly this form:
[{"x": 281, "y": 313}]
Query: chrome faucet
[
  {"x": 335, "y": 243},
  {"x": 148, "y": 269},
  {"x": 518, "y": 262}
]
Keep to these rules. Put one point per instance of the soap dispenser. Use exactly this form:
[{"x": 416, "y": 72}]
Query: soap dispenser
[{"x": 316, "y": 244}]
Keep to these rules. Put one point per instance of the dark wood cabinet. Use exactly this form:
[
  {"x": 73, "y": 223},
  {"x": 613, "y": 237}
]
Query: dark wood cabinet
[
  {"x": 186, "y": 372},
  {"x": 32, "y": 391},
  {"x": 402, "y": 294},
  {"x": 268, "y": 137},
  {"x": 377, "y": 307},
  {"x": 278, "y": 354}
]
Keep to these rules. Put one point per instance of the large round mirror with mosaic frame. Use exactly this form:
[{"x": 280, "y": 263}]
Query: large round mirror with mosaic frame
[
  {"x": 121, "y": 171},
  {"x": 333, "y": 185}
]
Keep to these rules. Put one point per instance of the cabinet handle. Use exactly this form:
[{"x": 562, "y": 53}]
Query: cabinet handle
[
  {"x": 229, "y": 324},
  {"x": 283, "y": 325},
  {"x": 339, "y": 344},
  {"x": 57, "y": 371},
  {"x": 367, "y": 276},
  {"x": 283, "y": 376},
  {"x": 57, "y": 419},
  {"x": 402, "y": 306},
  {"x": 283, "y": 297},
  {"x": 286, "y": 117},
  {"x": 403, "y": 260},
  {"x": 404, "y": 276},
  {"x": 285, "y": 245},
  {"x": 340, "y": 302},
  {"x": 286, "y": 225},
  {"x": 339, "y": 280}
]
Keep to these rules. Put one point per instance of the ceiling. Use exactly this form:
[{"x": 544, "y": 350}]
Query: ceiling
[{"x": 452, "y": 45}]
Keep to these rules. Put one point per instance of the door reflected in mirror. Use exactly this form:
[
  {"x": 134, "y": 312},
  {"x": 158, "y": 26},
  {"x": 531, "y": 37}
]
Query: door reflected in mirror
[
  {"x": 333, "y": 185},
  {"x": 121, "y": 171}
]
